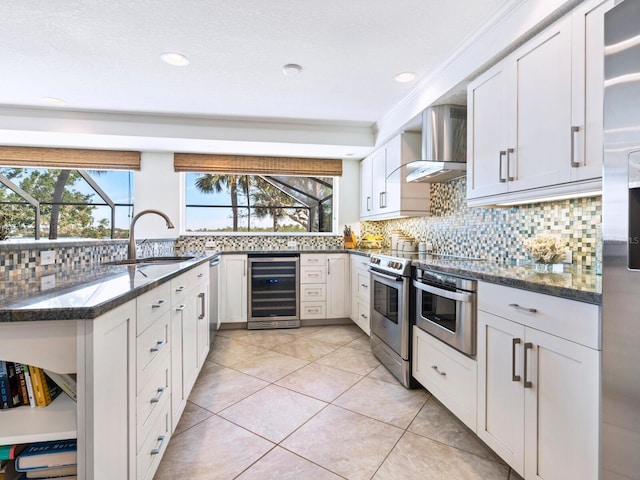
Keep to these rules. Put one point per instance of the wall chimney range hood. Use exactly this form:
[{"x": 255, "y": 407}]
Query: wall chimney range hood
[{"x": 444, "y": 147}]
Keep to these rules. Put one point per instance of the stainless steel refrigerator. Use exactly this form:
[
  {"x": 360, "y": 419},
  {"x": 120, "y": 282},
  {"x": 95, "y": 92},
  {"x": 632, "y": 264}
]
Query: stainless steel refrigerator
[{"x": 620, "y": 428}]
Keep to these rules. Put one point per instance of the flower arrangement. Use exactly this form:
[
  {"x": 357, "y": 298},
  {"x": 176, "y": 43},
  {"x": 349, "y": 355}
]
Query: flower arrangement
[{"x": 545, "y": 248}]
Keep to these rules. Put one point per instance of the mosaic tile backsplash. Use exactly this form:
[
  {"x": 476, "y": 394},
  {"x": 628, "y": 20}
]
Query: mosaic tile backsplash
[
  {"x": 497, "y": 234},
  {"x": 258, "y": 242}
]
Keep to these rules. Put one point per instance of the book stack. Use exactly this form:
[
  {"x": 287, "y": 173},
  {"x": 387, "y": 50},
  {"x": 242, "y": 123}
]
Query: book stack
[
  {"x": 53, "y": 459},
  {"x": 28, "y": 385}
]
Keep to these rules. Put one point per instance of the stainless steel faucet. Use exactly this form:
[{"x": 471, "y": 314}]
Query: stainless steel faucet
[{"x": 132, "y": 241}]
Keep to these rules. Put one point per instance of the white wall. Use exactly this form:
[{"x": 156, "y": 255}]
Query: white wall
[
  {"x": 349, "y": 196},
  {"x": 157, "y": 186}
]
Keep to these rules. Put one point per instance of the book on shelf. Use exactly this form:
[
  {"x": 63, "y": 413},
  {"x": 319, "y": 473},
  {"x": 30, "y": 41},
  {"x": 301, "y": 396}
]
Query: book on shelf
[
  {"x": 66, "y": 381},
  {"x": 45, "y": 391},
  {"x": 27, "y": 379},
  {"x": 22, "y": 383},
  {"x": 69, "y": 471},
  {"x": 10, "y": 452},
  {"x": 44, "y": 455},
  {"x": 7, "y": 398}
]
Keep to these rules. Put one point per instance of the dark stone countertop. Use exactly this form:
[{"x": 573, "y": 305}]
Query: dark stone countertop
[{"x": 88, "y": 292}]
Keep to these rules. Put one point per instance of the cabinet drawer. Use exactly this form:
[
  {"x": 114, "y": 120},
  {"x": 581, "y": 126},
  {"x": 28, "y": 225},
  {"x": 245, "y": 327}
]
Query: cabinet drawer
[
  {"x": 313, "y": 259},
  {"x": 150, "y": 345},
  {"x": 363, "y": 279},
  {"x": 450, "y": 376},
  {"x": 311, "y": 292},
  {"x": 153, "y": 396},
  {"x": 309, "y": 310},
  {"x": 152, "y": 305},
  {"x": 363, "y": 318},
  {"x": 182, "y": 284},
  {"x": 154, "y": 446},
  {"x": 569, "y": 319},
  {"x": 313, "y": 274}
]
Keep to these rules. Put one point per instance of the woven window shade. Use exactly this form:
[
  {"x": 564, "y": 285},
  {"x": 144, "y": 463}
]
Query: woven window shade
[
  {"x": 253, "y": 165},
  {"x": 69, "y": 158}
]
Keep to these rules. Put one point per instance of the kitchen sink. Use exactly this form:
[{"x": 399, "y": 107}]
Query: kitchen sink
[{"x": 148, "y": 260}]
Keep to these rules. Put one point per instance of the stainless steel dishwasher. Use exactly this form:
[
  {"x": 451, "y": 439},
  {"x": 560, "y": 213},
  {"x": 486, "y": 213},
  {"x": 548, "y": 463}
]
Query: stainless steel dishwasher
[
  {"x": 214, "y": 321},
  {"x": 273, "y": 291}
]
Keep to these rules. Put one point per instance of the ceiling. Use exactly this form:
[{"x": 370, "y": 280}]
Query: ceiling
[{"x": 105, "y": 56}]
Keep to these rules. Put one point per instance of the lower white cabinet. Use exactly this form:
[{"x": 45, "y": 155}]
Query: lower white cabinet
[
  {"x": 324, "y": 286},
  {"x": 448, "y": 374},
  {"x": 338, "y": 285},
  {"x": 360, "y": 292},
  {"x": 538, "y": 393},
  {"x": 232, "y": 301}
]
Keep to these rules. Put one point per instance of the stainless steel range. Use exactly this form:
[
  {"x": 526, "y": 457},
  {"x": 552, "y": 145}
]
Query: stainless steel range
[{"x": 390, "y": 316}]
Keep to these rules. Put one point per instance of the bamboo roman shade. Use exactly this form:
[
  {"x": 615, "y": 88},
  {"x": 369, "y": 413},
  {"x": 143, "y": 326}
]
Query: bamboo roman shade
[
  {"x": 254, "y": 165},
  {"x": 69, "y": 158}
]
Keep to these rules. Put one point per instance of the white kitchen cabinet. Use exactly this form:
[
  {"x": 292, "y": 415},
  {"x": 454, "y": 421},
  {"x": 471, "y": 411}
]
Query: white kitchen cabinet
[
  {"x": 538, "y": 391},
  {"x": 535, "y": 119},
  {"x": 338, "y": 285},
  {"x": 233, "y": 289},
  {"x": 360, "y": 292},
  {"x": 383, "y": 197},
  {"x": 448, "y": 374}
]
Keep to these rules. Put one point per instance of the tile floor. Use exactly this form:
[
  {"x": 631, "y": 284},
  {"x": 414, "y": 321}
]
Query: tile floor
[{"x": 313, "y": 403}]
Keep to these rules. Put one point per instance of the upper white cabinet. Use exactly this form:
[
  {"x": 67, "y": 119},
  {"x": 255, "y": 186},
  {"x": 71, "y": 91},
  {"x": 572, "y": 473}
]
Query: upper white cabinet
[
  {"x": 535, "y": 118},
  {"x": 383, "y": 198},
  {"x": 233, "y": 289}
]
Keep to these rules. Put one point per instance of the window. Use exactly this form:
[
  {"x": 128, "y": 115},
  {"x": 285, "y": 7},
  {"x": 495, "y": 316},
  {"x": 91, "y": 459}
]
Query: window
[
  {"x": 65, "y": 203},
  {"x": 258, "y": 203}
]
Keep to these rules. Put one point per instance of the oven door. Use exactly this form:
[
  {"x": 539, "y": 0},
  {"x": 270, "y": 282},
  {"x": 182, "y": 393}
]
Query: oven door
[
  {"x": 447, "y": 315},
  {"x": 389, "y": 311}
]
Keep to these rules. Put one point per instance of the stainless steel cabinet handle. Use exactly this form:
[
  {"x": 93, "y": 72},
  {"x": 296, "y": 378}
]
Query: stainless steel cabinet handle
[
  {"x": 158, "y": 449},
  {"x": 368, "y": 207},
  {"x": 158, "y": 346},
  {"x": 158, "y": 304},
  {"x": 500, "y": 155},
  {"x": 157, "y": 398},
  {"x": 180, "y": 288},
  {"x": 514, "y": 377},
  {"x": 509, "y": 152},
  {"x": 201, "y": 296},
  {"x": 383, "y": 199},
  {"x": 313, "y": 310},
  {"x": 523, "y": 309},
  {"x": 574, "y": 130},
  {"x": 364, "y": 285},
  {"x": 328, "y": 266},
  {"x": 435, "y": 367},
  {"x": 527, "y": 383},
  {"x": 364, "y": 316},
  {"x": 180, "y": 308}
]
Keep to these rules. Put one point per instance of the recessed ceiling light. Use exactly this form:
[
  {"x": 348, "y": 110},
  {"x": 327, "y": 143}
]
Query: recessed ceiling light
[
  {"x": 291, "y": 69},
  {"x": 175, "y": 59},
  {"x": 405, "y": 77},
  {"x": 53, "y": 101}
]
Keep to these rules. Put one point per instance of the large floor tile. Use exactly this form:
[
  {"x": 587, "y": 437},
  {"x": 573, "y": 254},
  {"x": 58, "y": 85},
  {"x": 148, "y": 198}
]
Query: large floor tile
[
  {"x": 270, "y": 366},
  {"x": 281, "y": 464},
  {"x": 268, "y": 338},
  {"x": 435, "y": 422},
  {"x": 306, "y": 349},
  {"x": 213, "y": 449},
  {"x": 338, "y": 334},
  {"x": 363, "y": 342},
  {"x": 192, "y": 415},
  {"x": 351, "y": 360},
  {"x": 419, "y": 458},
  {"x": 383, "y": 401},
  {"x": 230, "y": 351},
  {"x": 273, "y": 412},
  {"x": 219, "y": 387},
  {"x": 319, "y": 381},
  {"x": 349, "y": 444},
  {"x": 381, "y": 373}
]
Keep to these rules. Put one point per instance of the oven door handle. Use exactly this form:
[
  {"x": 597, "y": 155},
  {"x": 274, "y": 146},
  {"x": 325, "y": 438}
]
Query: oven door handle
[
  {"x": 457, "y": 296},
  {"x": 388, "y": 277}
]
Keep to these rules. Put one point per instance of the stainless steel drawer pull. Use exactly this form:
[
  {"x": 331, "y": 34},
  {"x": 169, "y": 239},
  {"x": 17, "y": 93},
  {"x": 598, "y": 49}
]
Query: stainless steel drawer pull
[
  {"x": 158, "y": 346},
  {"x": 180, "y": 288},
  {"x": 313, "y": 310},
  {"x": 200, "y": 275},
  {"x": 157, "y": 398},
  {"x": 435, "y": 367},
  {"x": 180, "y": 308},
  {"x": 158, "y": 449},
  {"x": 524, "y": 309},
  {"x": 364, "y": 316},
  {"x": 514, "y": 377},
  {"x": 158, "y": 304},
  {"x": 527, "y": 383},
  {"x": 364, "y": 285}
]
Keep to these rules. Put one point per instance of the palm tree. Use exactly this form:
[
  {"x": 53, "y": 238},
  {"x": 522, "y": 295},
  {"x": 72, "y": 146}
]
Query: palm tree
[
  {"x": 209, "y": 183},
  {"x": 266, "y": 198}
]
